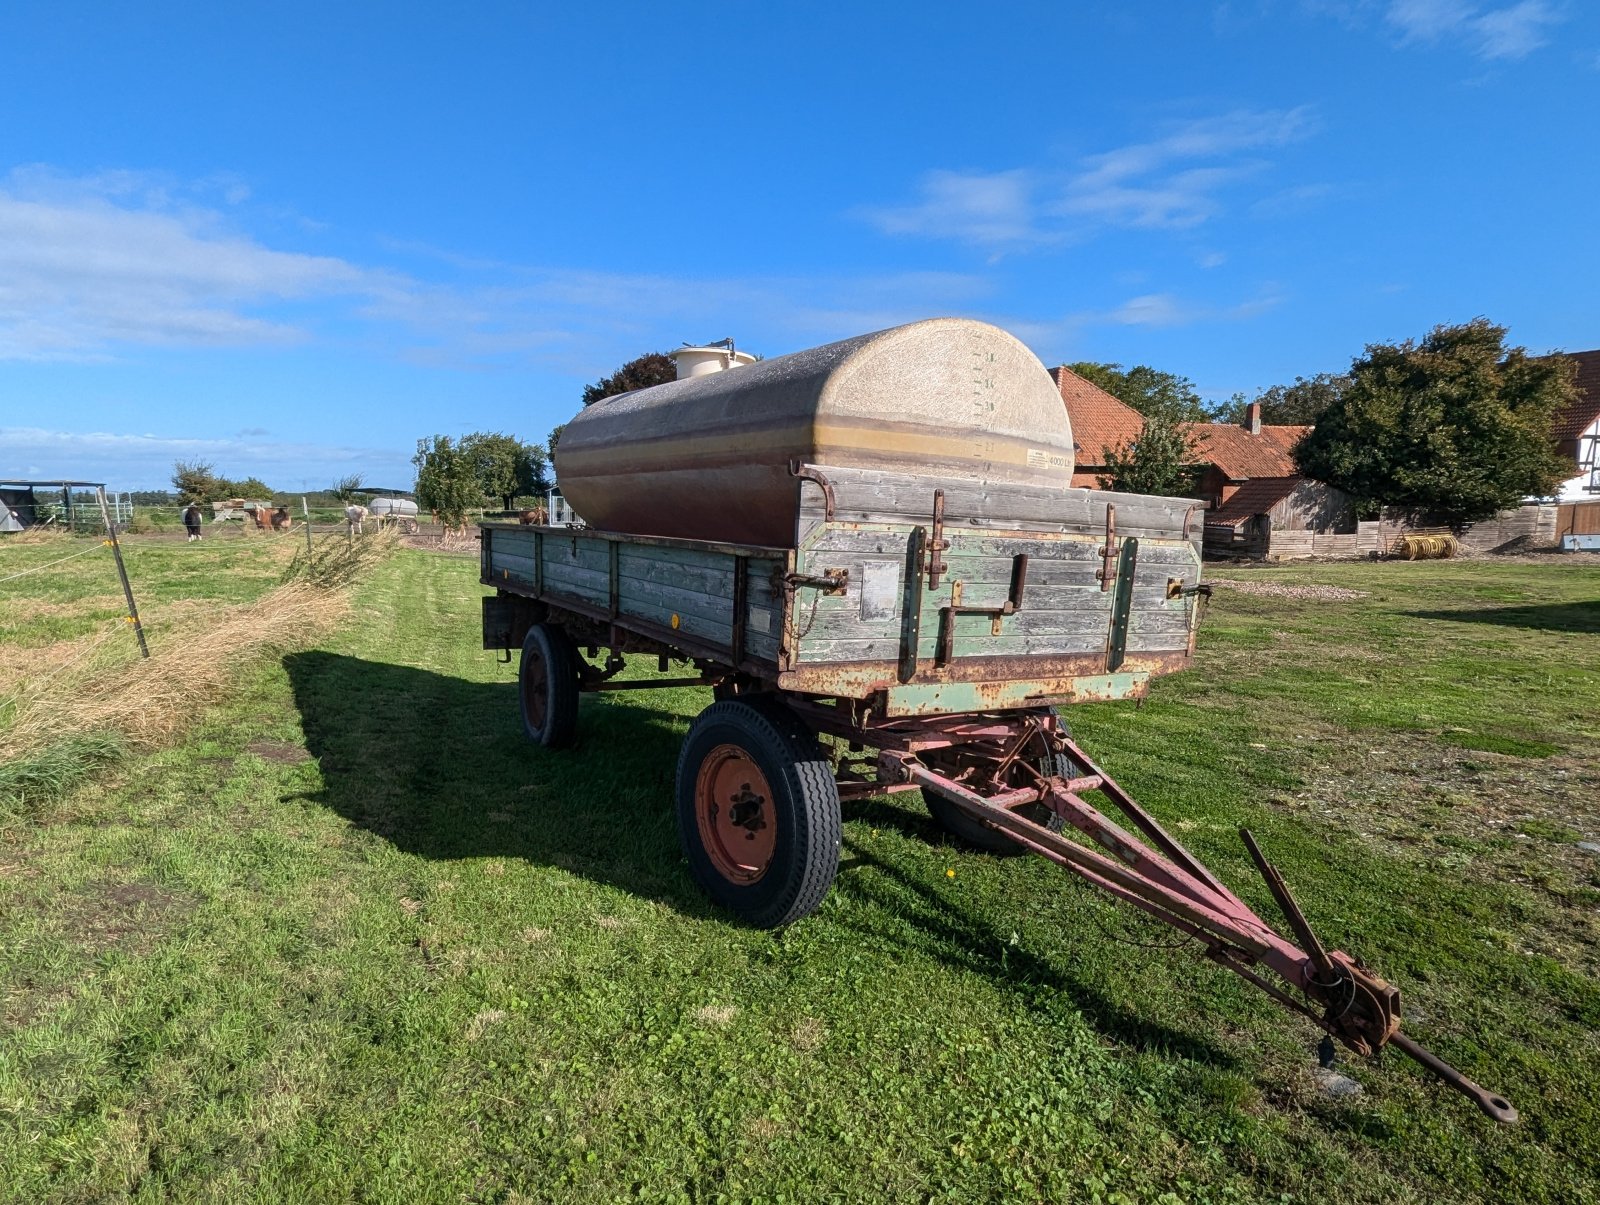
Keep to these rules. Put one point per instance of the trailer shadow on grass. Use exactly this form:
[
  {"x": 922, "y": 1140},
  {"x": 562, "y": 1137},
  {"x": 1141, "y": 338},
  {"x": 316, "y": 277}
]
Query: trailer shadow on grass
[
  {"x": 1538, "y": 617},
  {"x": 437, "y": 766}
]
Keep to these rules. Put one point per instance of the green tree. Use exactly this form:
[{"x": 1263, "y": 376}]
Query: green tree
[
  {"x": 250, "y": 488},
  {"x": 196, "y": 481},
  {"x": 347, "y": 488},
  {"x": 1300, "y": 404},
  {"x": 447, "y": 482},
  {"x": 1161, "y": 460},
  {"x": 1455, "y": 427},
  {"x": 1304, "y": 402},
  {"x": 505, "y": 466},
  {"x": 653, "y": 368},
  {"x": 554, "y": 438},
  {"x": 1148, "y": 390}
]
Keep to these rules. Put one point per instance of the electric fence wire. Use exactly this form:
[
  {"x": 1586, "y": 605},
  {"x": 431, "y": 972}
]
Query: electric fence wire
[
  {"x": 48, "y": 564},
  {"x": 36, "y": 684}
]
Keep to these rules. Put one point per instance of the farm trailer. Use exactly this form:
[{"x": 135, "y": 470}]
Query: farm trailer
[{"x": 917, "y": 634}]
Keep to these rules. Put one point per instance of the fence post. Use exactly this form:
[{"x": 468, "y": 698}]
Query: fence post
[
  {"x": 306, "y": 512},
  {"x": 122, "y": 571}
]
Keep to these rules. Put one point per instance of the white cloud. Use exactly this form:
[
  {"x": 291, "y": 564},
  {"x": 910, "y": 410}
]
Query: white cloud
[
  {"x": 1511, "y": 32},
  {"x": 1152, "y": 310},
  {"x": 92, "y": 267},
  {"x": 1172, "y": 182},
  {"x": 1166, "y": 310},
  {"x": 116, "y": 258}
]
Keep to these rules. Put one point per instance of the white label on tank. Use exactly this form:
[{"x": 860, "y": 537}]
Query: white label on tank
[
  {"x": 760, "y": 620},
  {"x": 880, "y": 589}
]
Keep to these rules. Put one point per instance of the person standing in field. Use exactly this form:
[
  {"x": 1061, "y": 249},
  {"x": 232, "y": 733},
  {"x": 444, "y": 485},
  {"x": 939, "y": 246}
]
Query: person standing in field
[{"x": 191, "y": 521}]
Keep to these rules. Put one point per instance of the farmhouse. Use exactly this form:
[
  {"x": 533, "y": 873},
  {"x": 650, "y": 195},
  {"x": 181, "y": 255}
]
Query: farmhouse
[
  {"x": 1577, "y": 432},
  {"x": 1246, "y": 471},
  {"x": 1099, "y": 421}
]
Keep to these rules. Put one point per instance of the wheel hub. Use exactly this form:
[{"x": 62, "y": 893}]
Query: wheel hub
[{"x": 733, "y": 809}]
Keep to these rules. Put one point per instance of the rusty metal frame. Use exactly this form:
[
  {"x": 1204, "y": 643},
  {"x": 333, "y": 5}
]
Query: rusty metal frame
[{"x": 1150, "y": 870}]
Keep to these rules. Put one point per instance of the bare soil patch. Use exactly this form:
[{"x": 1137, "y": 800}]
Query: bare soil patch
[{"x": 278, "y": 751}]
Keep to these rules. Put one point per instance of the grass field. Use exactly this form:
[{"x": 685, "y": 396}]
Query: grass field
[{"x": 354, "y": 940}]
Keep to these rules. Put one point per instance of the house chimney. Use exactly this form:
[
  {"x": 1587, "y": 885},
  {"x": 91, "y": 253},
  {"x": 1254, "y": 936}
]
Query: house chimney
[{"x": 1252, "y": 418}]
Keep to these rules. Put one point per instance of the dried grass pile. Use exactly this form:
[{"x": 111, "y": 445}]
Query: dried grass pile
[{"x": 58, "y": 729}]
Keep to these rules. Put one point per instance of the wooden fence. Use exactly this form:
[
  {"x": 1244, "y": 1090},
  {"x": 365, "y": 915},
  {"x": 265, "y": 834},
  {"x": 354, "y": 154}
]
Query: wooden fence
[{"x": 1532, "y": 526}]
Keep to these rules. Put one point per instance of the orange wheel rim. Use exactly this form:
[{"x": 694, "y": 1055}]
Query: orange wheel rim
[{"x": 733, "y": 807}]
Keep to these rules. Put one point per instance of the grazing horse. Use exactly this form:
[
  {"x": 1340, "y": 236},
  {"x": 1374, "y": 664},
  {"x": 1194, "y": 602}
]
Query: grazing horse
[{"x": 280, "y": 518}]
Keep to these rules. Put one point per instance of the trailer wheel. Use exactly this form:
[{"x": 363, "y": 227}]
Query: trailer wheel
[
  {"x": 547, "y": 686},
  {"x": 758, "y": 812},
  {"x": 991, "y": 841}
]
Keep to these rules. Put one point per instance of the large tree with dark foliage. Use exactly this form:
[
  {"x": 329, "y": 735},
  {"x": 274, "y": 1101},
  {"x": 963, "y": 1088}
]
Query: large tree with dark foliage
[
  {"x": 1455, "y": 427},
  {"x": 1148, "y": 390},
  {"x": 654, "y": 368},
  {"x": 1297, "y": 405},
  {"x": 1304, "y": 402}
]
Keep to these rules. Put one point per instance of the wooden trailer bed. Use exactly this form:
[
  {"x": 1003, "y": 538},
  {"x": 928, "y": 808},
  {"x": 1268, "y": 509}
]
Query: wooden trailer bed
[{"x": 921, "y": 597}]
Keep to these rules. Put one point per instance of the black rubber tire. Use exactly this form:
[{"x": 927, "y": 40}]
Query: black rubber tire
[
  {"x": 980, "y": 836},
  {"x": 805, "y": 803},
  {"x": 549, "y": 643}
]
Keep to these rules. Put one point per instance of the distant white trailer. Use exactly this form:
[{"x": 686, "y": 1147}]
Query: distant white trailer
[{"x": 391, "y": 510}]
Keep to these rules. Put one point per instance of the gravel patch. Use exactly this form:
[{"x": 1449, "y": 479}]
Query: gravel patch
[{"x": 1277, "y": 590}]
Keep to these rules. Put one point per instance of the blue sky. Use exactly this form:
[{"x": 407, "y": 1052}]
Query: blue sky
[{"x": 291, "y": 239}]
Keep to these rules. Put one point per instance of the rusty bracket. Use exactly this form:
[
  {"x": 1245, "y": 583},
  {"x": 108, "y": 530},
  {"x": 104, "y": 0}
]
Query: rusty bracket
[
  {"x": 1189, "y": 515},
  {"x": 806, "y": 472},
  {"x": 937, "y": 544},
  {"x": 1107, "y": 573}
]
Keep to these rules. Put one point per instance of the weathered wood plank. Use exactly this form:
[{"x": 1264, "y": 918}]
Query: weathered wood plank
[
  {"x": 499, "y": 559},
  {"x": 714, "y": 583},
  {"x": 867, "y": 494},
  {"x": 842, "y": 625},
  {"x": 516, "y": 543},
  {"x": 576, "y": 580},
  {"x": 589, "y": 553},
  {"x": 657, "y": 602}
]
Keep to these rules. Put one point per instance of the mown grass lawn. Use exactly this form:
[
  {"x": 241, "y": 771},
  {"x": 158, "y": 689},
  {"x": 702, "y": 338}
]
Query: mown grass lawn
[{"x": 355, "y": 940}]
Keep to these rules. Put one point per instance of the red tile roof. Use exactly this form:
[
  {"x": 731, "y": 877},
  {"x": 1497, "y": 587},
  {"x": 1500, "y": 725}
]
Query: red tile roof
[
  {"x": 1575, "y": 419},
  {"x": 1255, "y": 497},
  {"x": 1242, "y": 456},
  {"x": 1099, "y": 421}
]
